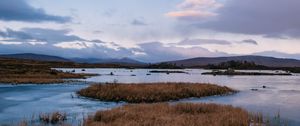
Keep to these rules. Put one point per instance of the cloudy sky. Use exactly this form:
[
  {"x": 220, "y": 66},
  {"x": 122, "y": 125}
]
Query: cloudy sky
[{"x": 150, "y": 30}]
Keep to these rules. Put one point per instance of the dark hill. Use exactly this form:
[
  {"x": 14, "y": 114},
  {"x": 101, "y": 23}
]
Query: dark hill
[
  {"x": 37, "y": 57},
  {"x": 259, "y": 60},
  {"x": 113, "y": 61}
]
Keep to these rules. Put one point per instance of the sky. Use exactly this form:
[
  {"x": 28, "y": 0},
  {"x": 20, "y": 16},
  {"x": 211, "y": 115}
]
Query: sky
[{"x": 150, "y": 30}]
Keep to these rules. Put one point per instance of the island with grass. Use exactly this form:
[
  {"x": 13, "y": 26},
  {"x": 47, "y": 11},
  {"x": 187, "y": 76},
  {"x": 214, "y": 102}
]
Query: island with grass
[
  {"x": 233, "y": 72},
  {"x": 166, "y": 71},
  {"x": 152, "y": 92}
]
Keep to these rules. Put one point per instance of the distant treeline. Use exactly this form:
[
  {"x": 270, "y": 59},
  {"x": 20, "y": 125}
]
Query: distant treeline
[
  {"x": 163, "y": 66},
  {"x": 246, "y": 65}
]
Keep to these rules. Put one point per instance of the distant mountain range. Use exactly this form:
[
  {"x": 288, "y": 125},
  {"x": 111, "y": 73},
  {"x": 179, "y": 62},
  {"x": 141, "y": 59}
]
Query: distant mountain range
[
  {"x": 259, "y": 60},
  {"x": 114, "y": 61},
  {"x": 40, "y": 57},
  {"x": 194, "y": 62}
]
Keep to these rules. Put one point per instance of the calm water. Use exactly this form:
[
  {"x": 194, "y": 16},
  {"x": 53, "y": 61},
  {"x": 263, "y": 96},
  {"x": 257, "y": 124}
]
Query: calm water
[{"x": 282, "y": 94}]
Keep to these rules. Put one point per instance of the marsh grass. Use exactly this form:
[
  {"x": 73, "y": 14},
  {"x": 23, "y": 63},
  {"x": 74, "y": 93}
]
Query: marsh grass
[
  {"x": 45, "y": 119},
  {"x": 24, "y": 71},
  {"x": 164, "y": 114},
  {"x": 40, "y": 78},
  {"x": 151, "y": 92},
  {"x": 53, "y": 118}
]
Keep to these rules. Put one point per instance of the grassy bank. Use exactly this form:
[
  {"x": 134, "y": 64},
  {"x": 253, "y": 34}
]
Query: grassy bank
[
  {"x": 163, "y": 114},
  {"x": 151, "y": 92},
  {"x": 27, "y": 72},
  {"x": 40, "y": 78}
]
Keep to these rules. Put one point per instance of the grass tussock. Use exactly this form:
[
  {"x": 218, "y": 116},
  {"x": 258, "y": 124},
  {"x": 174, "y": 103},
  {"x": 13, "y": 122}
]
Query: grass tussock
[
  {"x": 151, "y": 92},
  {"x": 52, "y": 118},
  {"x": 163, "y": 114}
]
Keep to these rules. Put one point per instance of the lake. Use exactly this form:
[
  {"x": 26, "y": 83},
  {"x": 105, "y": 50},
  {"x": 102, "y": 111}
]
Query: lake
[{"x": 281, "y": 95}]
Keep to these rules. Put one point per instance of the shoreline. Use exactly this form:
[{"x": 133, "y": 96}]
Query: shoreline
[{"x": 17, "y": 79}]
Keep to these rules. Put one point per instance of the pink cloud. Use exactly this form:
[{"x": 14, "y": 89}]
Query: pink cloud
[
  {"x": 190, "y": 14},
  {"x": 199, "y": 4},
  {"x": 195, "y": 9}
]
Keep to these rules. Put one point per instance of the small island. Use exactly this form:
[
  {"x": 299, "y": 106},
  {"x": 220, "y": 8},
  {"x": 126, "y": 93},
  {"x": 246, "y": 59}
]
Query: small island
[
  {"x": 163, "y": 65},
  {"x": 233, "y": 72},
  {"x": 151, "y": 92},
  {"x": 231, "y": 67},
  {"x": 166, "y": 71}
]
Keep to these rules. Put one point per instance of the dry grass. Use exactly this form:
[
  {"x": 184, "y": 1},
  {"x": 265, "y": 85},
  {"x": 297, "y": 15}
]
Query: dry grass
[
  {"x": 52, "y": 118},
  {"x": 151, "y": 92},
  {"x": 163, "y": 114},
  {"x": 40, "y": 78},
  {"x": 24, "y": 71},
  {"x": 45, "y": 119},
  {"x": 30, "y": 81}
]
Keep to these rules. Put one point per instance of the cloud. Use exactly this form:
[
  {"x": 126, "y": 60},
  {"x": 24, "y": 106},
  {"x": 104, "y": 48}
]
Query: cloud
[
  {"x": 203, "y": 42},
  {"x": 269, "y": 18},
  {"x": 20, "y": 10},
  {"x": 250, "y": 41},
  {"x": 53, "y": 41},
  {"x": 68, "y": 49},
  {"x": 148, "y": 52},
  {"x": 39, "y": 34},
  {"x": 52, "y": 35},
  {"x": 195, "y": 9},
  {"x": 198, "y": 42},
  {"x": 19, "y": 35},
  {"x": 157, "y": 51},
  {"x": 97, "y": 32},
  {"x": 138, "y": 22},
  {"x": 59, "y": 42},
  {"x": 109, "y": 12},
  {"x": 278, "y": 54},
  {"x": 190, "y": 14}
]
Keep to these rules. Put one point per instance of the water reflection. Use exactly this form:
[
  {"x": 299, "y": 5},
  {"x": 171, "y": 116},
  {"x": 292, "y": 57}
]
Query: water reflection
[{"x": 281, "y": 93}]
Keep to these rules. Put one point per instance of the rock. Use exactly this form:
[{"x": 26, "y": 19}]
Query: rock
[{"x": 253, "y": 89}]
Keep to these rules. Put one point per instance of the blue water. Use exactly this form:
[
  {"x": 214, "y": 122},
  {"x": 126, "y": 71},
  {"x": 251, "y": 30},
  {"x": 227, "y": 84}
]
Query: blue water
[
  {"x": 24, "y": 102},
  {"x": 282, "y": 94}
]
